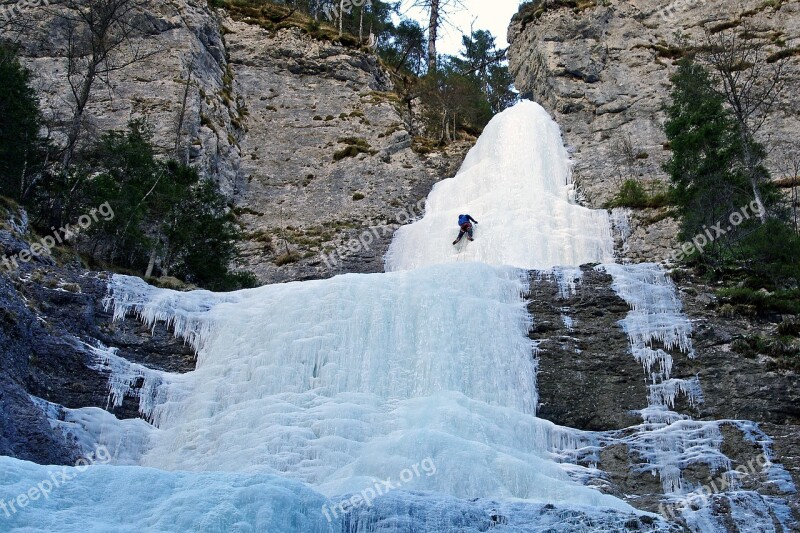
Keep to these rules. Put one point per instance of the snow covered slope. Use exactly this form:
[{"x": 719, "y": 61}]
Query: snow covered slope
[{"x": 516, "y": 183}]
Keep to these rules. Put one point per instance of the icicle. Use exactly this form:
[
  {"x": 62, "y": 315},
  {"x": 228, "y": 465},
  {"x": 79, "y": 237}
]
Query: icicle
[
  {"x": 123, "y": 376},
  {"x": 621, "y": 223},
  {"x": 664, "y": 393}
]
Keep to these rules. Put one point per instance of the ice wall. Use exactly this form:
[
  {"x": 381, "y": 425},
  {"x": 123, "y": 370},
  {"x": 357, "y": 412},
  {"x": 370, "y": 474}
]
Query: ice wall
[
  {"x": 343, "y": 381},
  {"x": 516, "y": 182},
  {"x": 133, "y": 499}
]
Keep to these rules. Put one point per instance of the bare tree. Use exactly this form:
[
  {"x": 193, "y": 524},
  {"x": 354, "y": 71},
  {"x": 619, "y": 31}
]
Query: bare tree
[
  {"x": 790, "y": 167},
  {"x": 624, "y": 158},
  {"x": 437, "y": 13},
  {"x": 101, "y": 39},
  {"x": 433, "y": 32},
  {"x": 181, "y": 116},
  {"x": 751, "y": 81}
]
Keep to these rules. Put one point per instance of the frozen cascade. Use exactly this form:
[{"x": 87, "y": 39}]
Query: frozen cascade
[
  {"x": 350, "y": 390},
  {"x": 670, "y": 442},
  {"x": 307, "y": 393},
  {"x": 567, "y": 277},
  {"x": 621, "y": 225},
  {"x": 516, "y": 182}
]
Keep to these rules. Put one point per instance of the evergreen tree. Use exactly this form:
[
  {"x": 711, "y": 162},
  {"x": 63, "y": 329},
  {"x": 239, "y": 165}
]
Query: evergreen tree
[
  {"x": 481, "y": 61},
  {"x": 405, "y": 49},
  {"x": 22, "y": 151},
  {"x": 199, "y": 231},
  {"x": 711, "y": 183},
  {"x": 452, "y": 101},
  {"x": 166, "y": 219},
  {"x": 501, "y": 93},
  {"x": 705, "y": 169}
]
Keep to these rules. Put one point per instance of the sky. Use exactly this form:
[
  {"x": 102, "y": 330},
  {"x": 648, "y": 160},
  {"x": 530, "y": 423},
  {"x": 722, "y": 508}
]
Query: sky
[{"x": 492, "y": 15}]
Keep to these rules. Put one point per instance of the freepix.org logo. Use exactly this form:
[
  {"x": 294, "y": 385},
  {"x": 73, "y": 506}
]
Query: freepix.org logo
[
  {"x": 56, "y": 479},
  {"x": 12, "y": 11},
  {"x": 366, "y": 497},
  {"x": 334, "y": 8},
  {"x": 59, "y": 236}
]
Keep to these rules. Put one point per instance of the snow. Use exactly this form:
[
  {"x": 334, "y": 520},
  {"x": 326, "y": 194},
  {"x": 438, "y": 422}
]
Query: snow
[{"x": 516, "y": 183}]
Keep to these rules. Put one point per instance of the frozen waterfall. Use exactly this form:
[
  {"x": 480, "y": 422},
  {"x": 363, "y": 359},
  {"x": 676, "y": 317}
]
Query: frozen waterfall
[
  {"x": 516, "y": 181},
  {"x": 412, "y": 390}
]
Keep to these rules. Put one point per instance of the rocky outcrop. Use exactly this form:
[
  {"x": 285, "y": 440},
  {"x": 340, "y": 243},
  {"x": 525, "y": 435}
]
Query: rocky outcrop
[
  {"x": 737, "y": 383},
  {"x": 327, "y": 155},
  {"x": 304, "y": 135},
  {"x": 603, "y": 71},
  {"x": 588, "y": 379},
  {"x": 52, "y": 319},
  {"x": 24, "y": 430}
]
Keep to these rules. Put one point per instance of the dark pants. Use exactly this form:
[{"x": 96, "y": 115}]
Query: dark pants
[{"x": 466, "y": 228}]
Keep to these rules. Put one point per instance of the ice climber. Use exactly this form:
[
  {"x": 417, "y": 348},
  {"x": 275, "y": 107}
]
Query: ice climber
[{"x": 465, "y": 223}]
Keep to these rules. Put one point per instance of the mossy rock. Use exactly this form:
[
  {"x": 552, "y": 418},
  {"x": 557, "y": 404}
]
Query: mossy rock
[{"x": 286, "y": 259}]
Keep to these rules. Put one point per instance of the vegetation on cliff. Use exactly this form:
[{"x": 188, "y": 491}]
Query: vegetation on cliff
[
  {"x": 742, "y": 222},
  {"x": 161, "y": 217},
  {"x": 22, "y": 151},
  {"x": 456, "y": 93}
]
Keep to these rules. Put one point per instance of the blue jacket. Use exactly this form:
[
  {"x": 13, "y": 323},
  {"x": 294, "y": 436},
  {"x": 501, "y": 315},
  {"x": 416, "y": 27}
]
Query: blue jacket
[{"x": 463, "y": 219}]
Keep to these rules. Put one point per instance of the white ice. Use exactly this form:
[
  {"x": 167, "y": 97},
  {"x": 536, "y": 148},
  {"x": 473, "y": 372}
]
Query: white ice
[
  {"x": 319, "y": 389},
  {"x": 88, "y": 428},
  {"x": 124, "y": 376},
  {"x": 516, "y": 182},
  {"x": 105, "y": 499},
  {"x": 344, "y": 381}
]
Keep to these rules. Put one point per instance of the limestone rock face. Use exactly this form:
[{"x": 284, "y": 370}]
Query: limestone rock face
[
  {"x": 327, "y": 159},
  {"x": 175, "y": 39},
  {"x": 304, "y": 136},
  {"x": 603, "y": 72},
  {"x": 587, "y": 379}
]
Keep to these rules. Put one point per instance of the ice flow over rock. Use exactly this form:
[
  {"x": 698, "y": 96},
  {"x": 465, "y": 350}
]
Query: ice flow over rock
[
  {"x": 308, "y": 393},
  {"x": 516, "y": 181}
]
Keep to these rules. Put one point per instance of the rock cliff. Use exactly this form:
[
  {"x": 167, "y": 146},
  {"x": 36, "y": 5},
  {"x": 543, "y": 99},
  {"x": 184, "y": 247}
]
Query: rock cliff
[
  {"x": 327, "y": 155},
  {"x": 588, "y": 379},
  {"x": 602, "y": 69},
  {"x": 304, "y": 135}
]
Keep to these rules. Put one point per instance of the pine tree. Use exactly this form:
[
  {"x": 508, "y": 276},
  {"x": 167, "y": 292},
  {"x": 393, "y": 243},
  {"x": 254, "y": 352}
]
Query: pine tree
[
  {"x": 705, "y": 168},
  {"x": 711, "y": 183},
  {"x": 22, "y": 151}
]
